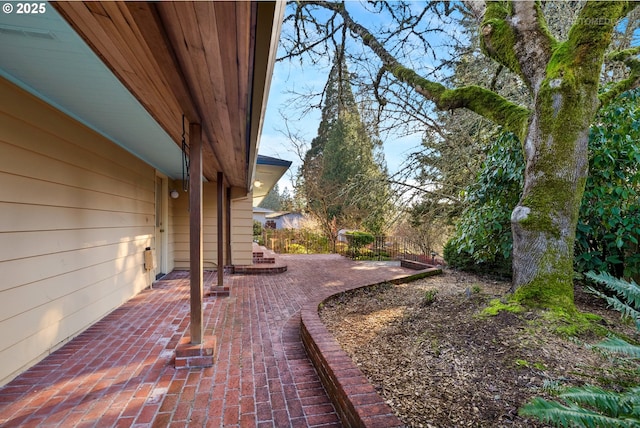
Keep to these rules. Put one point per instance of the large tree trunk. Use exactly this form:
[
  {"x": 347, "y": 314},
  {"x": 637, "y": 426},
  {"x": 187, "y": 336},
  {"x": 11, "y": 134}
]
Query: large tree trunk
[
  {"x": 544, "y": 222},
  {"x": 566, "y": 100}
]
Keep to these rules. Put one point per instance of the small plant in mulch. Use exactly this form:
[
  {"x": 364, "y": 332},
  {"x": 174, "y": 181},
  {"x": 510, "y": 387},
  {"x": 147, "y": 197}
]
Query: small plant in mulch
[{"x": 429, "y": 297}]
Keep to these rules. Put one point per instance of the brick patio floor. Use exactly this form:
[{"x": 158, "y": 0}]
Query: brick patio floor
[{"x": 119, "y": 372}]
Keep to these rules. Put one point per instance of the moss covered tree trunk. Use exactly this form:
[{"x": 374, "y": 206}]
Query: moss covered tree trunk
[
  {"x": 556, "y": 152},
  {"x": 563, "y": 77},
  {"x": 544, "y": 222}
]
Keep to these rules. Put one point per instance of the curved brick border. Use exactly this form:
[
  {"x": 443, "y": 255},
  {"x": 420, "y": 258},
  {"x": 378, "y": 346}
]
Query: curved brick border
[{"x": 355, "y": 399}]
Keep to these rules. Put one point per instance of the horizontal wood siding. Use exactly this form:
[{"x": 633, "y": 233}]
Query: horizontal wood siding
[
  {"x": 209, "y": 223},
  {"x": 76, "y": 213},
  {"x": 242, "y": 230}
]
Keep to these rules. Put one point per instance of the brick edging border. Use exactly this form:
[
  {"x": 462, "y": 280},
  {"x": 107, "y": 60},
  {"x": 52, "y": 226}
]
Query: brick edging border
[{"x": 356, "y": 401}]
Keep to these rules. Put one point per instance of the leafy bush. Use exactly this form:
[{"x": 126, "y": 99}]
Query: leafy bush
[
  {"x": 429, "y": 297},
  {"x": 590, "y": 406},
  {"x": 257, "y": 228},
  {"x": 317, "y": 243},
  {"x": 456, "y": 257},
  {"x": 482, "y": 240},
  {"x": 357, "y": 240},
  {"x": 609, "y": 224},
  {"x": 296, "y": 249},
  {"x": 280, "y": 240}
]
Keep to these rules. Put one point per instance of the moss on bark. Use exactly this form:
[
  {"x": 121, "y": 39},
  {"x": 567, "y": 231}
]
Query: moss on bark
[
  {"x": 475, "y": 98},
  {"x": 490, "y": 105}
]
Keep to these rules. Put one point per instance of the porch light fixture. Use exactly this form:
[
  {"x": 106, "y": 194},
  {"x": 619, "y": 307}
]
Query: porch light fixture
[
  {"x": 257, "y": 183},
  {"x": 174, "y": 194}
]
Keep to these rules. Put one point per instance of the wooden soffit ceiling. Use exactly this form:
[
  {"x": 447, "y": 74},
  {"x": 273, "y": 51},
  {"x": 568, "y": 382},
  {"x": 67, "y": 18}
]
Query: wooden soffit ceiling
[{"x": 196, "y": 59}]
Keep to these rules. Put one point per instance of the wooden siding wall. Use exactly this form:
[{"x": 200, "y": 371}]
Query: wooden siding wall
[
  {"x": 180, "y": 230},
  {"x": 241, "y": 229},
  {"x": 76, "y": 213}
]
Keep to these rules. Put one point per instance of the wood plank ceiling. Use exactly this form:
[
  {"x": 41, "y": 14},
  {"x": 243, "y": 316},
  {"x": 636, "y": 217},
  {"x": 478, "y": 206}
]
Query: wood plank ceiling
[{"x": 192, "y": 58}]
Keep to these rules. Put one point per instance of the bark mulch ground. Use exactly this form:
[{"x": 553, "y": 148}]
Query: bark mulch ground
[{"x": 438, "y": 363}]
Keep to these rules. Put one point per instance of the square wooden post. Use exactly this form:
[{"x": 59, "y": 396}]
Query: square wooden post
[
  {"x": 220, "y": 231},
  {"x": 228, "y": 227},
  {"x": 197, "y": 350},
  {"x": 195, "y": 231}
]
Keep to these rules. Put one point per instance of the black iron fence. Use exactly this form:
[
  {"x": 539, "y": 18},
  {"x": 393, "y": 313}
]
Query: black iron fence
[{"x": 300, "y": 241}]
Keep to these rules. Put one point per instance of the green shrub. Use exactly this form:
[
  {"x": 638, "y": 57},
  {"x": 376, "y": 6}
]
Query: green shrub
[
  {"x": 482, "y": 240},
  {"x": 609, "y": 223},
  {"x": 608, "y": 229},
  {"x": 257, "y": 228},
  {"x": 429, "y": 297},
  {"x": 296, "y": 249},
  {"x": 357, "y": 240},
  {"x": 458, "y": 258}
]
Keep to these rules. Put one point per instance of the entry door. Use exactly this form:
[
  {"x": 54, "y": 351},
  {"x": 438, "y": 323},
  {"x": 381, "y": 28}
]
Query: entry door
[{"x": 160, "y": 227}]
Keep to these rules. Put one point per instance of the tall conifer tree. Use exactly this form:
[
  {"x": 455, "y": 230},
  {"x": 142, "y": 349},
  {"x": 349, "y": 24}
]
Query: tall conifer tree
[{"x": 344, "y": 180}]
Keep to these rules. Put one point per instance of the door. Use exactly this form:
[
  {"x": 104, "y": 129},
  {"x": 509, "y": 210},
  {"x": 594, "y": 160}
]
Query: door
[{"x": 160, "y": 234}]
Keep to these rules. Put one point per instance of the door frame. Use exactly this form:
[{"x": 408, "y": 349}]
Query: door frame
[{"x": 162, "y": 228}]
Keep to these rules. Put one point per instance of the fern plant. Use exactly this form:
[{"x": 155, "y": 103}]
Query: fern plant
[
  {"x": 591, "y": 406},
  {"x": 629, "y": 291},
  {"x": 626, "y": 300}
]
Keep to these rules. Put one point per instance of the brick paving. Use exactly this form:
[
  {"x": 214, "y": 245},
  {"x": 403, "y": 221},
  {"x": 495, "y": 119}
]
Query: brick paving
[{"x": 119, "y": 372}]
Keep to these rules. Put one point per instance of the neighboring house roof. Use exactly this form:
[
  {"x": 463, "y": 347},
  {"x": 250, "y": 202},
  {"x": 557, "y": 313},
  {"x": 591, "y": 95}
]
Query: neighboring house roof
[
  {"x": 271, "y": 161},
  {"x": 281, "y": 214},
  {"x": 277, "y": 214},
  {"x": 259, "y": 210},
  {"x": 131, "y": 70}
]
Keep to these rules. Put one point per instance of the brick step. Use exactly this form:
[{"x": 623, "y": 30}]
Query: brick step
[
  {"x": 413, "y": 264},
  {"x": 264, "y": 259},
  {"x": 261, "y": 256},
  {"x": 259, "y": 270}
]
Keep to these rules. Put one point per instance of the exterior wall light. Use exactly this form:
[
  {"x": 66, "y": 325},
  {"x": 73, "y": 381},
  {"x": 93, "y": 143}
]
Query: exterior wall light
[{"x": 174, "y": 194}]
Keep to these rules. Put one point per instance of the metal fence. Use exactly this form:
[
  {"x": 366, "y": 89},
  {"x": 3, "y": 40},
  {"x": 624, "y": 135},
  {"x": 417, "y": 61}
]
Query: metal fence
[{"x": 300, "y": 241}]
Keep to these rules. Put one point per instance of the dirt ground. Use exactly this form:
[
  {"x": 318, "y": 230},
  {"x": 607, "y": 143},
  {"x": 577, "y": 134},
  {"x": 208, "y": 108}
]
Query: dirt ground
[{"x": 438, "y": 364}]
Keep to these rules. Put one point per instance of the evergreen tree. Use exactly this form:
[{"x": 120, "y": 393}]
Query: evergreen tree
[
  {"x": 273, "y": 200},
  {"x": 343, "y": 180}
]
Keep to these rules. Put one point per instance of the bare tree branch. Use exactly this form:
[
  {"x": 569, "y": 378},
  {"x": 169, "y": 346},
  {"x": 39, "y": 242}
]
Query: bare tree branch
[{"x": 480, "y": 100}]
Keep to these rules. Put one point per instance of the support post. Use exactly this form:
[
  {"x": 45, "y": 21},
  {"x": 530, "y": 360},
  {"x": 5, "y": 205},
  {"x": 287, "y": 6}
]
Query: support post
[
  {"x": 220, "y": 231},
  {"x": 195, "y": 231},
  {"x": 228, "y": 227},
  {"x": 197, "y": 351}
]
